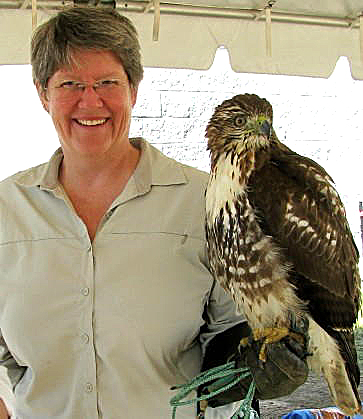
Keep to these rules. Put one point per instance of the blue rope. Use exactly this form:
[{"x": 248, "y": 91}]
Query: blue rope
[{"x": 226, "y": 377}]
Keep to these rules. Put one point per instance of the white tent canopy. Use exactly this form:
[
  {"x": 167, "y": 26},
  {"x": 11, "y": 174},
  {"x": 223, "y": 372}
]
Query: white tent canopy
[{"x": 291, "y": 37}]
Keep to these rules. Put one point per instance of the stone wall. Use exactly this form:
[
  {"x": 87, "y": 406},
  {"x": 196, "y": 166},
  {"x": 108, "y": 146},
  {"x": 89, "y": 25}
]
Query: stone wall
[{"x": 319, "y": 118}]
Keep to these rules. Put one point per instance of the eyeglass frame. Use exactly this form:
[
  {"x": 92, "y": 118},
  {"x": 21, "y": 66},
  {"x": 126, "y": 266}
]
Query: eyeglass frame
[{"x": 79, "y": 86}]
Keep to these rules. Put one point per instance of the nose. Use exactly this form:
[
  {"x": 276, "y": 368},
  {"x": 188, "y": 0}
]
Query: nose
[{"x": 90, "y": 98}]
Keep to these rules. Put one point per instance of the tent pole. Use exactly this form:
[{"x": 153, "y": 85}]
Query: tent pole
[
  {"x": 34, "y": 14},
  {"x": 156, "y": 26},
  {"x": 268, "y": 33},
  {"x": 249, "y": 14}
]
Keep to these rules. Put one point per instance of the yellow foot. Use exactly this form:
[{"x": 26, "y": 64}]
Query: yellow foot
[{"x": 269, "y": 335}]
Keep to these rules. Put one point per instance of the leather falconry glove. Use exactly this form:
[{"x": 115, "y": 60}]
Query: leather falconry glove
[{"x": 284, "y": 370}]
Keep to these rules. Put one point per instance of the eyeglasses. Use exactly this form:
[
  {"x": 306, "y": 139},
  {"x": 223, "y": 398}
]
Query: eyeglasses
[{"x": 71, "y": 89}]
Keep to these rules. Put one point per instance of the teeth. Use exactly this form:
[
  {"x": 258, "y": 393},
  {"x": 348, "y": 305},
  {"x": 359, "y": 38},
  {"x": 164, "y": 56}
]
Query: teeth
[{"x": 91, "y": 123}]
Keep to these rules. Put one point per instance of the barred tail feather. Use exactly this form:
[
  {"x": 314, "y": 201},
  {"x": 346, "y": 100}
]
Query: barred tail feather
[{"x": 327, "y": 359}]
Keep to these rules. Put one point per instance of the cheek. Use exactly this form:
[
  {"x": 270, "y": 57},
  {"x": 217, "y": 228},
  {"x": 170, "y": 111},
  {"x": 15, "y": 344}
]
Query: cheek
[
  {"x": 59, "y": 112},
  {"x": 61, "y": 123},
  {"x": 122, "y": 110}
]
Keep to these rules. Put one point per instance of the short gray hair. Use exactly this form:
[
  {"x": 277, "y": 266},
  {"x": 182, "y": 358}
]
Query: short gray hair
[{"x": 87, "y": 28}]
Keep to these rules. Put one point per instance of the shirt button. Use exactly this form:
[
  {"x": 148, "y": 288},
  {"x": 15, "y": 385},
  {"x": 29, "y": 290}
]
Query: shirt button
[
  {"x": 85, "y": 291},
  {"x": 89, "y": 388},
  {"x": 85, "y": 338}
]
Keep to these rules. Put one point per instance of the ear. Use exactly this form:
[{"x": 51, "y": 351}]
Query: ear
[
  {"x": 133, "y": 90},
  {"x": 42, "y": 93}
]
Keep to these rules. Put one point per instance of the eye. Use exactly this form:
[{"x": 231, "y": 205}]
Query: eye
[
  {"x": 70, "y": 84},
  {"x": 108, "y": 83},
  {"x": 239, "y": 121}
]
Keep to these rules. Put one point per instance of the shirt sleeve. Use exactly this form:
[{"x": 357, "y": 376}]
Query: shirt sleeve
[
  {"x": 220, "y": 314},
  {"x": 6, "y": 390},
  {"x": 6, "y": 393},
  {"x": 9, "y": 368}
]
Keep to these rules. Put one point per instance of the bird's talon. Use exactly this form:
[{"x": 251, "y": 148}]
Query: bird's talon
[{"x": 262, "y": 354}]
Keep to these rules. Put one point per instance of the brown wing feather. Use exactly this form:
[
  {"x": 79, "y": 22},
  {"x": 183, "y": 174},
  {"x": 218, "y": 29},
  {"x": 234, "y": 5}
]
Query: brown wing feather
[{"x": 321, "y": 249}]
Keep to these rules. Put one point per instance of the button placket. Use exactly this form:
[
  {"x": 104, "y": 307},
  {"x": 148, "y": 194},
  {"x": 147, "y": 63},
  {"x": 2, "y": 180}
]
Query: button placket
[{"x": 85, "y": 331}]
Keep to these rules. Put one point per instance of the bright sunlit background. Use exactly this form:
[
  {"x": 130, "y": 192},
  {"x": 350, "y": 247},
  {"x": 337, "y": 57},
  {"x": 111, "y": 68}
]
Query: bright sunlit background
[{"x": 27, "y": 134}]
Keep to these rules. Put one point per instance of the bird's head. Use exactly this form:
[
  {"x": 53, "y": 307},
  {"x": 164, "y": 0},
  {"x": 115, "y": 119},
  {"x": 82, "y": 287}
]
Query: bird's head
[{"x": 245, "y": 121}]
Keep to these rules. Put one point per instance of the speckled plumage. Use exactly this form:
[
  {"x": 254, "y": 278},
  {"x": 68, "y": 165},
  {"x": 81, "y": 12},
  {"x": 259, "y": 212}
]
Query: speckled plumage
[{"x": 278, "y": 239}]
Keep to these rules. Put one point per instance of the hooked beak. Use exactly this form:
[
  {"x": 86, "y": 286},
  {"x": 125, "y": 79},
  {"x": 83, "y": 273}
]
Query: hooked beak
[{"x": 265, "y": 129}]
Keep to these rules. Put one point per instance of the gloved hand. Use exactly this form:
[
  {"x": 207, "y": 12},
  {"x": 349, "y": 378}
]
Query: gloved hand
[{"x": 284, "y": 370}]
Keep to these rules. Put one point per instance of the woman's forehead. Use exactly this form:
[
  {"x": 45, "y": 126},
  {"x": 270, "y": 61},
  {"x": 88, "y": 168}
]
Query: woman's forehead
[{"x": 92, "y": 63}]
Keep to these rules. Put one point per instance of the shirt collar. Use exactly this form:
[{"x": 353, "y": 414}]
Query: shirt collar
[
  {"x": 44, "y": 176},
  {"x": 153, "y": 168}
]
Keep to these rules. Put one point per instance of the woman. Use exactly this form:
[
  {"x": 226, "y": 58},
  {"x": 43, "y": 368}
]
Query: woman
[{"x": 107, "y": 300}]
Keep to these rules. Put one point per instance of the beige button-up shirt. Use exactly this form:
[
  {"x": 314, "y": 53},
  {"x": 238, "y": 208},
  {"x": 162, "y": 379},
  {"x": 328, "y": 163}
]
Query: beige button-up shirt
[{"x": 104, "y": 329}]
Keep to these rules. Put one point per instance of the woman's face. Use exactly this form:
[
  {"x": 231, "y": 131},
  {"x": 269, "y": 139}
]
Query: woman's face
[{"x": 90, "y": 104}]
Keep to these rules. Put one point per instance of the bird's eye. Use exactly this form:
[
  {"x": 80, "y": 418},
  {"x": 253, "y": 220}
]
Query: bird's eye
[{"x": 239, "y": 121}]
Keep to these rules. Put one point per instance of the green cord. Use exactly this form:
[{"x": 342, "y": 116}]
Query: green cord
[
  {"x": 245, "y": 409},
  {"x": 227, "y": 376}
]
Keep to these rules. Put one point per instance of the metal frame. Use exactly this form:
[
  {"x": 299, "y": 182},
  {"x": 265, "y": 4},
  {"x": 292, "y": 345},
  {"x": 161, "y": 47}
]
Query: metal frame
[{"x": 186, "y": 9}]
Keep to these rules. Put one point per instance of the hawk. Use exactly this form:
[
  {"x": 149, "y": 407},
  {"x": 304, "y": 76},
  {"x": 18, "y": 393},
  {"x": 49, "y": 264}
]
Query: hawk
[{"x": 279, "y": 242}]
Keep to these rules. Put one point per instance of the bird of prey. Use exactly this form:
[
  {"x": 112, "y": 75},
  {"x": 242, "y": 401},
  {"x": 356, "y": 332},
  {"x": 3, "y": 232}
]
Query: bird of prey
[{"x": 279, "y": 241}]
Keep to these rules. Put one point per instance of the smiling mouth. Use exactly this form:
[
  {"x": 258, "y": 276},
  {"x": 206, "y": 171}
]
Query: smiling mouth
[{"x": 91, "y": 123}]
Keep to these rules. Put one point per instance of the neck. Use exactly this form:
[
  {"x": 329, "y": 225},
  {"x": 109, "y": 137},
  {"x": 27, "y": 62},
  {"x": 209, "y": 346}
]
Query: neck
[
  {"x": 79, "y": 175},
  {"x": 234, "y": 154}
]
